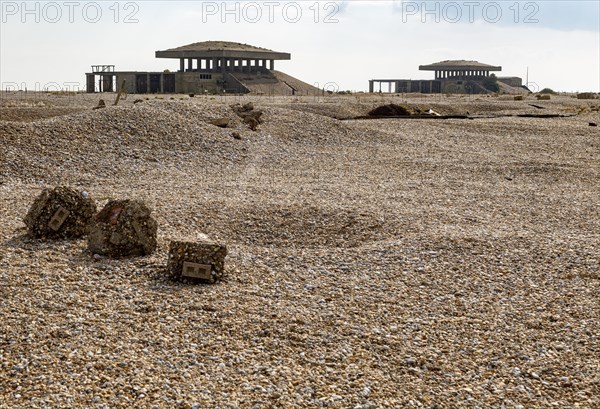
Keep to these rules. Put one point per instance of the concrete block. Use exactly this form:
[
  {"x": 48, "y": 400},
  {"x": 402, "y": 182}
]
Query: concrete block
[
  {"x": 123, "y": 228},
  {"x": 60, "y": 212},
  {"x": 202, "y": 261}
]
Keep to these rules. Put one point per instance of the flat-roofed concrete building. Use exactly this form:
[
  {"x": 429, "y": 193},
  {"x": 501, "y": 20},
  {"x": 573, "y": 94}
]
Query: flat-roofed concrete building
[
  {"x": 460, "y": 69},
  {"x": 450, "y": 76},
  {"x": 223, "y": 56},
  {"x": 206, "y": 67}
]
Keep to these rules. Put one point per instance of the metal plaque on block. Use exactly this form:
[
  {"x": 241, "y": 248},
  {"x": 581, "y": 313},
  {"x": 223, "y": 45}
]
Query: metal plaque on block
[
  {"x": 59, "y": 218},
  {"x": 195, "y": 270}
]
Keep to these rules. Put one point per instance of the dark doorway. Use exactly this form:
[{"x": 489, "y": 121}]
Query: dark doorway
[
  {"x": 169, "y": 83},
  {"x": 141, "y": 83},
  {"x": 154, "y": 83}
]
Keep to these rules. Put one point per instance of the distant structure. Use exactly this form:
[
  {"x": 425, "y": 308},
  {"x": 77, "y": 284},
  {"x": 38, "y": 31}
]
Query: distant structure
[
  {"x": 451, "y": 76},
  {"x": 206, "y": 67}
]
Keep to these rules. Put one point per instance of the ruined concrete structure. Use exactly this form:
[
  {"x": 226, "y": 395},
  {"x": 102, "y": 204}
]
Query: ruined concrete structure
[
  {"x": 455, "y": 76},
  {"x": 206, "y": 67}
]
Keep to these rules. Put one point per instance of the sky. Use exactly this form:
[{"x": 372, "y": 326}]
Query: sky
[{"x": 338, "y": 45}]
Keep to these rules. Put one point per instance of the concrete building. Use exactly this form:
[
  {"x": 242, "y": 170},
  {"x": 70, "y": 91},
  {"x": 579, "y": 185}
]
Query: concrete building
[
  {"x": 205, "y": 67},
  {"x": 455, "y": 76}
]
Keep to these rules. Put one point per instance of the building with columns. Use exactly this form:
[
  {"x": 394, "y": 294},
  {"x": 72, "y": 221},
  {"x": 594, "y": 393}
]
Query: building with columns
[
  {"x": 450, "y": 76},
  {"x": 223, "y": 56},
  {"x": 205, "y": 67},
  {"x": 460, "y": 70}
]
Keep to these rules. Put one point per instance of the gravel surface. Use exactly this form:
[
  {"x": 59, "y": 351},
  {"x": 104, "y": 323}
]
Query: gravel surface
[{"x": 371, "y": 264}]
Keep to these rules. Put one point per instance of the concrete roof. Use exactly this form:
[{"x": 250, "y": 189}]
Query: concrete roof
[
  {"x": 210, "y": 49},
  {"x": 459, "y": 64}
]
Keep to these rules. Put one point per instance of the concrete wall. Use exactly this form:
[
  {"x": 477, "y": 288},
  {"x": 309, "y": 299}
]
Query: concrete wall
[
  {"x": 446, "y": 86},
  {"x": 512, "y": 81},
  {"x": 129, "y": 82},
  {"x": 196, "y": 83},
  {"x": 173, "y": 82}
]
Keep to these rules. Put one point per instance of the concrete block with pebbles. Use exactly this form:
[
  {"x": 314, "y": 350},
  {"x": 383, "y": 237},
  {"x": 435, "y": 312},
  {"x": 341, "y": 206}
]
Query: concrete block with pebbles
[
  {"x": 123, "y": 228},
  {"x": 202, "y": 261},
  {"x": 61, "y": 212}
]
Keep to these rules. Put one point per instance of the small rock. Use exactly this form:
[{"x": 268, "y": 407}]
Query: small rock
[
  {"x": 101, "y": 104},
  {"x": 220, "y": 122}
]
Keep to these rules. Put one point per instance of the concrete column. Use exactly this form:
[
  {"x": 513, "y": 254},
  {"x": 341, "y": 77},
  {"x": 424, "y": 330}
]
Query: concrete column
[
  {"x": 189, "y": 68},
  {"x": 256, "y": 65},
  {"x": 181, "y": 64},
  {"x": 271, "y": 64},
  {"x": 148, "y": 83},
  {"x": 370, "y": 86}
]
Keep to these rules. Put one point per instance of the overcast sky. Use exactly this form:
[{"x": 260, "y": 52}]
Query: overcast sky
[{"x": 334, "y": 44}]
